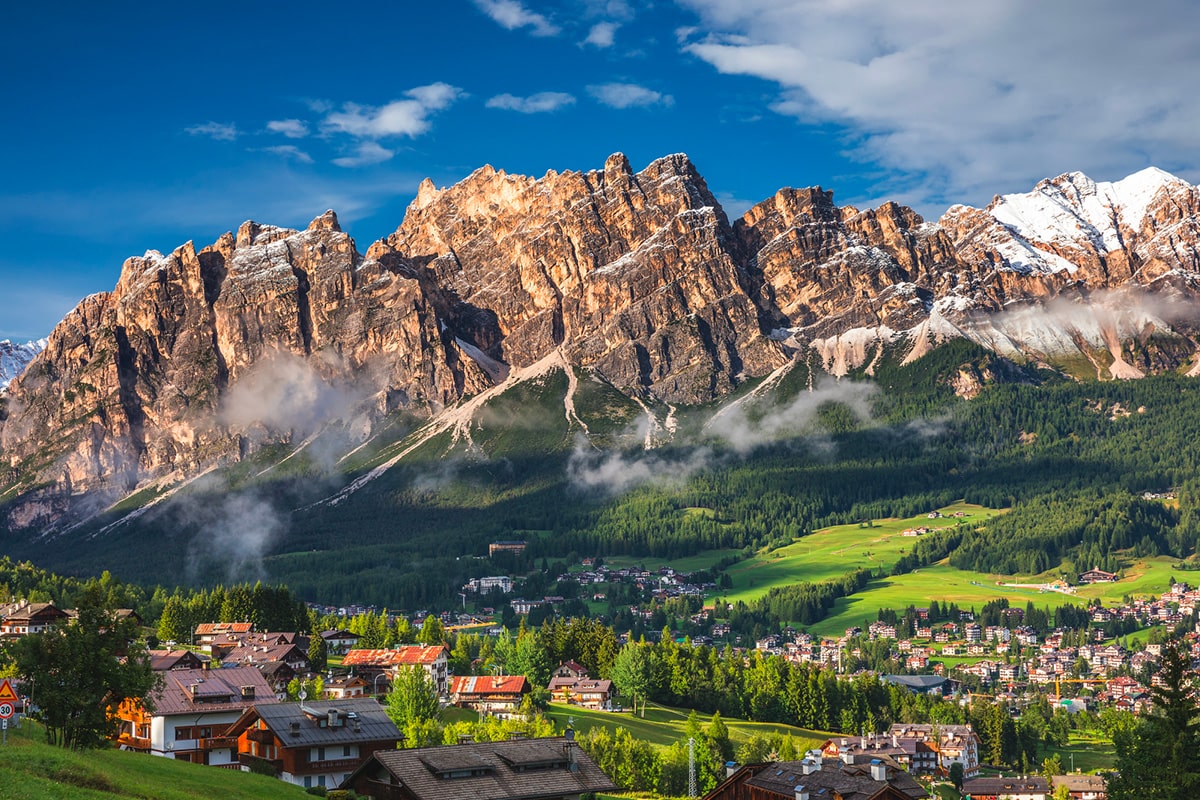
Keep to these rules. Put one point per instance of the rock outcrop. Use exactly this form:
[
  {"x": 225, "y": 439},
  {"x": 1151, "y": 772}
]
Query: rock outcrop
[{"x": 637, "y": 277}]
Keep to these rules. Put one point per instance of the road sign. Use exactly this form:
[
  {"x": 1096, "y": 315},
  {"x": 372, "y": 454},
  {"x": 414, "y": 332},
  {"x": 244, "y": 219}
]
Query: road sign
[
  {"x": 6, "y": 691},
  {"x": 6, "y": 710}
]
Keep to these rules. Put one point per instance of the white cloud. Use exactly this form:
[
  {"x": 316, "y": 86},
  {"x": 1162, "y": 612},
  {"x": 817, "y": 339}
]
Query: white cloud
[
  {"x": 366, "y": 154},
  {"x": 628, "y": 95},
  {"x": 288, "y": 151},
  {"x": 408, "y": 117},
  {"x": 968, "y": 99},
  {"x": 220, "y": 131},
  {"x": 291, "y": 128},
  {"x": 533, "y": 104},
  {"x": 602, "y": 34},
  {"x": 511, "y": 15}
]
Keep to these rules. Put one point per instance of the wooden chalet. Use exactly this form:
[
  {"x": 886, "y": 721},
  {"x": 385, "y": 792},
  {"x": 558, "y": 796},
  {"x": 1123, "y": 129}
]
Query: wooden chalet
[
  {"x": 314, "y": 744},
  {"x": 165, "y": 660},
  {"x": 1097, "y": 575},
  {"x": 819, "y": 779},
  {"x": 346, "y": 686},
  {"x": 21, "y": 619},
  {"x": 526, "y": 769},
  {"x": 207, "y": 632},
  {"x": 583, "y": 692},
  {"x": 1032, "y": 787},
  {"x": 193, "y": 709},
  {"x": 489, "y": 695},
  {"x": 1081, "y": 787},
  {"x": 339, "y": 641},
  {"x": 570, "y": 669}
]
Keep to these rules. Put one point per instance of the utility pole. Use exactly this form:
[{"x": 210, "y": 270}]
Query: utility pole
[{"x": 692, "y": 767}]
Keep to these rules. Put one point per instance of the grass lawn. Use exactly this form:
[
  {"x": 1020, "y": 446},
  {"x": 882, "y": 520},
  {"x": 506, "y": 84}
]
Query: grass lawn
[
  {"x": 663, "y": 725},
  {"x": 1091, "y": 752},
  {"x": 30, "y": 769},
  {"x": 832, "y": 552}
]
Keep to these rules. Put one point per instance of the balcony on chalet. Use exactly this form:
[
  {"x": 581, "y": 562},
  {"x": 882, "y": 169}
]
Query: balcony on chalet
[
  {"x": 342, "y": 764},
  {"x": 218, "y": 742},
  {"x": 133, "y": 742},
  {"x": 261, "y": 736}
]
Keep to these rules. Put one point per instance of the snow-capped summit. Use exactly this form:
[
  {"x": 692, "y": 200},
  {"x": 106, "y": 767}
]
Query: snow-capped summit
[
  {"x": 15, "y": 357},
  {"x": 1072, "y": 209}
]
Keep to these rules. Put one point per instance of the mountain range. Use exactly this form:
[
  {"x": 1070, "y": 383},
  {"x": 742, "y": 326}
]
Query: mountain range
[
  {"x": 15, "y": 357},
  {"x": 200, "y": 358}
]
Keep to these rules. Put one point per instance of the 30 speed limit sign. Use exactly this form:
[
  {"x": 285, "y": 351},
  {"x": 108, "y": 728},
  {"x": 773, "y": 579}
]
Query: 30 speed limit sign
[{"x": 6, "y": 709}]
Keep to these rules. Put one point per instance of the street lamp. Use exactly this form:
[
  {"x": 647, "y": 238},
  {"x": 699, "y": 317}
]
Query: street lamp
[{"x": 377, "y": 677}]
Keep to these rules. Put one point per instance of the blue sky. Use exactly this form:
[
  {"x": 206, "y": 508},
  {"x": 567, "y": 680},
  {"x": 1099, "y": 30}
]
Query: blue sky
[{"x": 142, "y": 125}]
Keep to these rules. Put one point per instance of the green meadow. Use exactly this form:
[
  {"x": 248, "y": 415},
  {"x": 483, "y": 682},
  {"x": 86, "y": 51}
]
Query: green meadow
[
  {"x": 30, "y": 769},
  {"x": 832, "y": 552},
  {"x": 663, "y": 725}
]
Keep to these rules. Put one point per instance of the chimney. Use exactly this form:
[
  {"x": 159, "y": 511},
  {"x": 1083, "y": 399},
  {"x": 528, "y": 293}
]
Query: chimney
[
  {"x": 466, "y": 738},
  {"x": 895, "y": 740},
  {"x": 730, "y": 768},
  {"x": 878, "y": 771},
  {"x": 801, "y": 793},
  {"x": 295, "y": 729},
  {"x": 808, "y": 766},
  {"x": 847, "y": 757}
]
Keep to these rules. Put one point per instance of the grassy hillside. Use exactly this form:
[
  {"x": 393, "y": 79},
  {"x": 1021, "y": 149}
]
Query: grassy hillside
[
  {"x": 30, "y": 769},
  {"x": 834, "y": 551},
  {"x": 944, "y": 583},
  {"x": 663, "y": 725}
]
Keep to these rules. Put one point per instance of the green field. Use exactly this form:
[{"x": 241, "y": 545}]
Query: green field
[
  {"x": 663, "y": 725},
  {"x": 30, "y": 769},
  {"x": 1085, "y": 752},
  {"x": 944, "y": 583},
  {"x": 832, "y": 552}
]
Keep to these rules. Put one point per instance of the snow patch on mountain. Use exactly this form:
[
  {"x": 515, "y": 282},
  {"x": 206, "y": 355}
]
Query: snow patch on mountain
[
  {"x": 1072, "y": 208},
  {"x": 15, "y": 357}
]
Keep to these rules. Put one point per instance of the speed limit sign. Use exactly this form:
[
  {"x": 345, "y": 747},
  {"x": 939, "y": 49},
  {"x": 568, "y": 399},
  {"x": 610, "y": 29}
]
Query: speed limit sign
[{"x": 6, "y": 709}]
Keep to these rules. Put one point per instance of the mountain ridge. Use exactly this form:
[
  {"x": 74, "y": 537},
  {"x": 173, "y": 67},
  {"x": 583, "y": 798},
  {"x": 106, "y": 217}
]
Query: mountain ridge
[{"x": 639, "y": 278}]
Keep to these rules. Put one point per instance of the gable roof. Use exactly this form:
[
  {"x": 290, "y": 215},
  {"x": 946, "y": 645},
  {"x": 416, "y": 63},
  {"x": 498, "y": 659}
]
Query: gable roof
[
  {"x": 528, "y": 768},
  {"x": 412, "y": 654},
  {"x": 192, "y": 691},
  {"x": 849, "y": 781},
  {"x": 361, "y": 720},
  {"x": 489, "y": 684}
]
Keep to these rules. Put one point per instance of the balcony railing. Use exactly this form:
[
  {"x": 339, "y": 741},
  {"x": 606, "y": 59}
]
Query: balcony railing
[
  {"x": 333, "y": 766},
  {"x": 260, "y": 736},
  {"x": 134, "y": 742},
  {"x": 217, "y": 742}
]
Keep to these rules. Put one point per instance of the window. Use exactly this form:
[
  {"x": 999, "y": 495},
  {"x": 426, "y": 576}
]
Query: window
[
  {"x": 308, "y": 781},
  {"x": 346, "y": 751},
  {"x": 183, "y": 733},
  {"x": 320, "y": 780}
]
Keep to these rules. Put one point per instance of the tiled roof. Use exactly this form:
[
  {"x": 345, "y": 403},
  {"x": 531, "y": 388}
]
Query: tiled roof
[
  {"x": 215, "y": 690},
  {"x": 488, "y": 684},
  {"x": 530, "y": 768},
  {"x": 850, "y": 782},
  {"x": 415, "y": 654},
  {"x": 362, "y": 720},
  {"x": 1032, "y": 784}
]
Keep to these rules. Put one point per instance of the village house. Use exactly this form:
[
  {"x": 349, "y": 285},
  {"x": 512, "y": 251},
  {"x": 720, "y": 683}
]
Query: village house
[
  {"x": 1081, "y": 787},
  {"x": 955, "y": 743},
  {"x": 525, "y": 769},
  {"x": 319, "y": 744},
  {"x": 338, "y": 641},
  {"x": 819, "y": 779},
  {"x": 207, "y": 632},
  {"x": 1097, "y": 575},
  {"x": 164, "y": 660},
  {"x": 516, "y": 547},
  {"x": 345, "y": 686},
  {"x": 22, "y": 618},
  {"x": 193, "y": 709},
  {"x": 1033, "y": 787},
  {"x": 489, "y": 695},
  {"x": 570, "y": 669},
  {"x": 435, "y": 659},
  {"x": 583, "y": 692}
]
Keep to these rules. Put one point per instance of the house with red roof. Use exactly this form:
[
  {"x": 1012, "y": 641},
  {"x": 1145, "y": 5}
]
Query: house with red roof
[
  {"x": 491, "y": 695},
  {"x": 372, "y": 663}
]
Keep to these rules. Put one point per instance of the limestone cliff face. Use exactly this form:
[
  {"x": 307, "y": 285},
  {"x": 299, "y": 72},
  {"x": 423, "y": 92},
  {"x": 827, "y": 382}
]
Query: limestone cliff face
[{"x": 637, "y": 277}]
